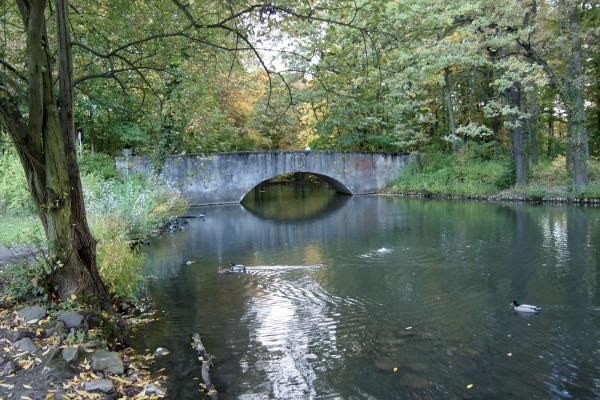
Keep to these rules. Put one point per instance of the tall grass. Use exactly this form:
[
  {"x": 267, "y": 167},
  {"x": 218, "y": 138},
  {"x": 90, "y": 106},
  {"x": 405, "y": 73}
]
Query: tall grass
[
  {"x": 471, "y": 174},
  {"x": 120, "y": 212}
]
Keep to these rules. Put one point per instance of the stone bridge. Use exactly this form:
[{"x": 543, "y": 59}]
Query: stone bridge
[{"x": 227, "y": 177}]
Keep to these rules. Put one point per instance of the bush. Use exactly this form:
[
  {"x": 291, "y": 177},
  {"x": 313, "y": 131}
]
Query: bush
[
  {"x": 447, "y": 174},
  {"x": 99, "y": 164},
  {"x": 118, "y": 264},
  {"x": 14, "y": 196}
]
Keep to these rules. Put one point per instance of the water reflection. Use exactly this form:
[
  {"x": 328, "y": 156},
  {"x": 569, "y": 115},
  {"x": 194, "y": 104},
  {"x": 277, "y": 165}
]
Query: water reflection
[
  {"x": 334, "y": 302},
  {"x": 302, "y": 202}
]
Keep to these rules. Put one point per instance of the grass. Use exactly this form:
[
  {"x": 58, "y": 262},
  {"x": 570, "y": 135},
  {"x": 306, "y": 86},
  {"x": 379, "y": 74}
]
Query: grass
[
  {"x": 447, "y": 174},
  {"x": 466, "y": 174},
  {"x": 24, "y": 229},
  {"x": 119, "y": 212}
]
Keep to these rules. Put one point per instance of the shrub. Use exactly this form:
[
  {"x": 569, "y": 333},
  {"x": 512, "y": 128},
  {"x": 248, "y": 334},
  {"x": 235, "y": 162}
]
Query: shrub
[
  {"x": 14, "y": 195},
  {"x": 118, "y": 264},
  {"x": 99, "y": 164}
]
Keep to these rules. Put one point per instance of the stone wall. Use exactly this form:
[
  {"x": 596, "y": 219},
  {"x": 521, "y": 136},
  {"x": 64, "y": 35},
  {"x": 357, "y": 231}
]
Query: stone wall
[{"x": 227, "y": 177}]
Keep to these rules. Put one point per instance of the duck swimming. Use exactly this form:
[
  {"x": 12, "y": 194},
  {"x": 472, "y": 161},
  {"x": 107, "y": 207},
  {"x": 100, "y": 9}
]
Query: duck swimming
[{"x": 525, "y": 308}]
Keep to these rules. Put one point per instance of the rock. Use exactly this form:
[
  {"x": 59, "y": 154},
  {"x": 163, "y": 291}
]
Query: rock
[
  {"x": 107, "y": 361},
  {"x": 26, "y": 344},
  {"x": 31, "y": 313},
  {"x": 161, "y": 352},
  {"x": 55, "y": 328},
  {"x": 154, "y": 389},
  {"x": 100, "y": 385},
  {"x": 9, "y": 368},
  {"x": 72, "y": 319},
  {"x": 70, "y": 354},
  {"x": 13, "y": 336}
]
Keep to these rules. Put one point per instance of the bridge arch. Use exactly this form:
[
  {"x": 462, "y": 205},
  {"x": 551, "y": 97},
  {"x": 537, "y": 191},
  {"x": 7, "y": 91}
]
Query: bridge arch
[{"x": 337, "y": 185}]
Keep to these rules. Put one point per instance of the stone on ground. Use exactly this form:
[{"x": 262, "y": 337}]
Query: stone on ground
[
  {"x": 107, "y": 361},
  {"x": 72, "y": 319},
  {"x": 70, "y": 354},
  {"x": 100, "y": 385},
  {"x": 26, "y": 344},
  {"x": 31, "y": 313}
]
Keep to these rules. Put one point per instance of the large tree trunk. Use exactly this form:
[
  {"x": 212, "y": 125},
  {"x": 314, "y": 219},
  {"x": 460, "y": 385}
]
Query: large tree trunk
[
  {"x": 46, "y": 146},
  {"x": 450, "y": 105},
  {"x": 578, "y": 139},
  {"x": 519, "y": 154}
]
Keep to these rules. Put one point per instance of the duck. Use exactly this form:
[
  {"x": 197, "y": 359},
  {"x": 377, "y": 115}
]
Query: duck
[
  {"x": 237, "y": 268},
  {"x": 525, "y": 308}
]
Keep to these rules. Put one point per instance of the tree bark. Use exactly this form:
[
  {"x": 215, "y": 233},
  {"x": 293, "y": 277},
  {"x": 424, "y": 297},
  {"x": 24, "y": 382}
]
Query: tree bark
[
  {"x": 45, "y": 142},
  {"x": 578, "y": 138},
  {"x": 450, "y": 105},
  {"x": 520, "y": 156},
  {"x": 532, "y": 126}
]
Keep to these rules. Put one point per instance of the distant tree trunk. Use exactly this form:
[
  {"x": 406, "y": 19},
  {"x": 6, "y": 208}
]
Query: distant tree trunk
[
  {"x": 519, "y": 154},
  {"x": 578, "y": 138},
  {"x": 550, "y": 134},
  {"x": 45, "y": 142},
  {"x": 450, "y": 105},
  {"x": 532, "y": 127},
  {"x": 570, "y": 89}
]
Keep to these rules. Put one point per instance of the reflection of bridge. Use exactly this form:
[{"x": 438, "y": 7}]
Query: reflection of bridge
[{"x": 228, "y": 177}]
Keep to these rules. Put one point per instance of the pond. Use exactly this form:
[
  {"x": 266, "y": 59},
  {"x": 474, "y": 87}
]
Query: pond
[{"x": 374, "y": 297}]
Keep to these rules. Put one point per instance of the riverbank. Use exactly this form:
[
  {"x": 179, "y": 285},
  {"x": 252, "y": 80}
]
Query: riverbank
[
  {"x": 66, "y": 351},
  {"x": 466, "y": 176}
]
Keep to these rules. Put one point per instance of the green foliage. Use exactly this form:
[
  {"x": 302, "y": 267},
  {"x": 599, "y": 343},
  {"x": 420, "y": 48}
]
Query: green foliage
[
  {"x": 447, "y": 174},
  {"x": 14, "y": 196},
  {"x": 28, "y": 279},
  {"x": 100, "y": 164}
]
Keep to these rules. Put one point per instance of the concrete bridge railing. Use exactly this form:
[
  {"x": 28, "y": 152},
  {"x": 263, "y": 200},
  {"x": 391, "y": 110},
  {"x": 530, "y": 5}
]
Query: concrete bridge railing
[{"x": 228, "y": 177}]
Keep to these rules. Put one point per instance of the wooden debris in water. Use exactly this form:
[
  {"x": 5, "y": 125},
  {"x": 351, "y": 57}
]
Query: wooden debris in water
[{"x": 207, "y": 387}]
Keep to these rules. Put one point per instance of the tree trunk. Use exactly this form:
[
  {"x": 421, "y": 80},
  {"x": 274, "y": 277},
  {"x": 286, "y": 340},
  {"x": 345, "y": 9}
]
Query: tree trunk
[
  {"x": 532, "y": 127},
  {"x": 45, "y": 143},
  {"x": 451, "y": 115},
  {"x": 519, "y": 155},
  {"x": 578, "y": 139}
]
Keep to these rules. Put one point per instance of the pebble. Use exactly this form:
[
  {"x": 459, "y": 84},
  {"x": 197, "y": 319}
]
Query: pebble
[
  {"x": 71, "y": 319},
  {"x": 153, "y": 389},
  {"x": 31, "y": 313},
  {"x": 26, "y": 344},
  {"x": 161, "y": 352},
  {"x": 107, "y": 361},
  {"x": 100, "y": 385},
  {"x": 70, "y": 354}
]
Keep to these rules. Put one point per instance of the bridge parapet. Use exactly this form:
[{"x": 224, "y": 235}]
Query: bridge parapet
[{"x": 227, "y": 177}]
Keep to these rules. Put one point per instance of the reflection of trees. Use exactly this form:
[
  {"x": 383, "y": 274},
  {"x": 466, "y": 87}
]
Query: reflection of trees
[{"x": 293, "y": 202}]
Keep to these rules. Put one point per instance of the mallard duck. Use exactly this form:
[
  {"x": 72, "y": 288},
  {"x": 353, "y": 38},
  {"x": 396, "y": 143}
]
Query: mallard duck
[
  {"x": 237, "y": 268},
  {"x": 525, "y": 308}
]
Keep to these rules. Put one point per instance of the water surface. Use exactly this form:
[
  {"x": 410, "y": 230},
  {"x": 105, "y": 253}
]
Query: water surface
[{"x": 341, "y": 291}]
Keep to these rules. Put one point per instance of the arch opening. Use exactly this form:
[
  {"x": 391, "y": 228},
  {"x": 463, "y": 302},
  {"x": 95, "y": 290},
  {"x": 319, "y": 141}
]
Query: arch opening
[
  {"x": 295, "y": 197},
  {"x": 301, "y": 177}
]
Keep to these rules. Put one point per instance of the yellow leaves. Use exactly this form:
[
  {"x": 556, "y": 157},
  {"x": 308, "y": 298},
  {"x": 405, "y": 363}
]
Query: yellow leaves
[
  {"x": 26, "y": 386},
  {"x": 7, "y": 385},
  {"x": 121, "y": 380}
]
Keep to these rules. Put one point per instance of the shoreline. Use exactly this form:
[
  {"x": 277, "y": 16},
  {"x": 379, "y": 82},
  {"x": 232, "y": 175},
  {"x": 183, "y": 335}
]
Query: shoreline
[{"x": 498, "y": 198}]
